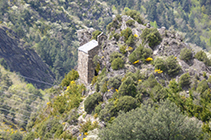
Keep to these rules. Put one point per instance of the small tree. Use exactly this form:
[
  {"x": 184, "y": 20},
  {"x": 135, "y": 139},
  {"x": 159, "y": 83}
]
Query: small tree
[
  {"x": 160, "y": 64},
  {"x": 151, "y": 36},
  {"x": 184, "y": 80},
  {"x": 186, "y": 54},
  {"x": 126, "y": 33},
  {"x": 201, "y": 56},
  {"x": 92, "y": 101},
  {"x": 117, "y": 63},
  {"x": 128, "y": 87},
  {"x": 135, "y": 15},
  {"x": 72, "y": 75},
  {"x": 114, "y": 82},
  {"x": 126, "y": 103},
  {"x": 173, "y": 68}
]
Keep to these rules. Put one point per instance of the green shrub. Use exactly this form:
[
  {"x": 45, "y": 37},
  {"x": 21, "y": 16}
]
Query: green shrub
[
  {"x": 174, "y": 87},
  {"x": 131, "y": 40},
  {"x": 184, "y": 80},
  {"x": 135, "y": 15},
  {"x": 126, "y": 33},
  {"x": 103, "y": 85},
  {"x": 173, "y": 68},
  {"x": 130, "y": 22},
  {"x": 115, "y": 55},
  {"x": 160, "y": 64},
  {"x": 204, "y": 74},
  {"x": 209, "y": 79},
  {"x": 186, "y": 54},
  {"x": 201, "y": 56},
  {"x": 95, "y": 34},
  {"x": 92, "y": 101},
  {"x": 151, "y": 36},
  {"x": 114, "y": 82},
  {"x": 116, "y": 23},
  {"x": 107, "y": 112},
  {"x": 117, "y": 63},
  {"x": 128, "y": 87},
  {"x": 72, "y": 75},
  {"x": 59, "y": 131},
  {"x": 152, "y": 81},
  {"x": 3, "y": 62},
  {"x": 98, "y": 108},
  {"x": 152, "y": 122},
  {"x": 202, "y": 86},
  {"x": 126, "y": 103},
  {"x": 158, "y": 93},
  {"x": 123, "y": 49},
  {"x": 140, "y": 53}
]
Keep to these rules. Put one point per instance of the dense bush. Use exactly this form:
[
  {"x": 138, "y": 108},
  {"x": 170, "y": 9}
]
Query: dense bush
[
  {"x": 126, "y": 103},
  {"x": 184, "y": 80},
  {"x": 107, "y": 112},
  {"x": 123, "y": 49},
  {"x": 173, "y": 68},
  {"x": 128, "y": 87},
  {"x": 103, "y": 85},
  {"x": 117, "y": 63},
  {"x": 115, "y": 23},
  {"x": 160, "y": 64},
  {"x": 126, "y": 33},
  {"x": 114, "y": 82},
  {"x": 130, "y": 22},
  {"x": 72, "y": 75},
  {"x": 202, "y": 86},
  {"x": 115, "y": 55},
  {"x": 135, "y": 15},
  {"x": 92, "y": 101},
  {"x": 201, "y": 56},
  {"x": 95, "y": 34},
  {"x": 140, "y": 53},
  {"x": 151, "y": 36},
  {"x": 166, "y": 121},
  {"x": 174, "y": 87},
  {"x": 186, "y": 54}
]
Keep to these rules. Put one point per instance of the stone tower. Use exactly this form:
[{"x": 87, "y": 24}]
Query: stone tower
[{"x": 86, "y": 53}]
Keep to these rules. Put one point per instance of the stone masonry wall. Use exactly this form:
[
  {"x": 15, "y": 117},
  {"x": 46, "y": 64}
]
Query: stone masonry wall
[{"x": 83, "y": 66}]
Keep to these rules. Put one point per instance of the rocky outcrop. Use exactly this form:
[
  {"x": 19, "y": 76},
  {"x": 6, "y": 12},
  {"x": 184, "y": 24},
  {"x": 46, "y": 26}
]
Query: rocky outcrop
[
  {"x": 85, "y": 35},
  {"x": 26, "y": 62}
]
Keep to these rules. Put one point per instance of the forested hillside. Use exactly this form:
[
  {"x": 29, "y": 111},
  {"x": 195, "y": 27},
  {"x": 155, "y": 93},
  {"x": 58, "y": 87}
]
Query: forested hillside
[
  {"x": 50, "y": 27},
  {"x": 18, "y": 103},
  {"x": 193, "y": 17},
  {"x": 149, "y": 78}
]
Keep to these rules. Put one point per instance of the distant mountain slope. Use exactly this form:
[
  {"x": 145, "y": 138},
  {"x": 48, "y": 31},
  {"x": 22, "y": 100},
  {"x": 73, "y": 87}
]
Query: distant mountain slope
[{"x": 23, "y": 61}]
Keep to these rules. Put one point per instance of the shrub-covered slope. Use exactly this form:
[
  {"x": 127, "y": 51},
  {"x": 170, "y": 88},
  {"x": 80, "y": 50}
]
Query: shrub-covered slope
[{"x": 152, "y": 71}]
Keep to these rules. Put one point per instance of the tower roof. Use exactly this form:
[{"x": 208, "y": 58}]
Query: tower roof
[{"x": 88, "y": 46}]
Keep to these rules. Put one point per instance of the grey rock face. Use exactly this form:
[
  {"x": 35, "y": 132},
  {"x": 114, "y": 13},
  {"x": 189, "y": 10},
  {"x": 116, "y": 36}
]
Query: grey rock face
[
  {"x": 85, "y": 35},
  {"x": 24, "y": 61}
]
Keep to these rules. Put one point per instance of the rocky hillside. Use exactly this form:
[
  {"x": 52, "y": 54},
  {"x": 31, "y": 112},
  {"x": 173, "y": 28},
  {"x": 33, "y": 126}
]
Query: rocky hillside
[
  {"x": 22, "y": 60},
  {"x": 150, "y": 70}
]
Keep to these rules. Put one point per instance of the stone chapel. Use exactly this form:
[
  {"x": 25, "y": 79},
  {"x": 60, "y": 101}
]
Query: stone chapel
[{"x": 86, "y": 54}]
